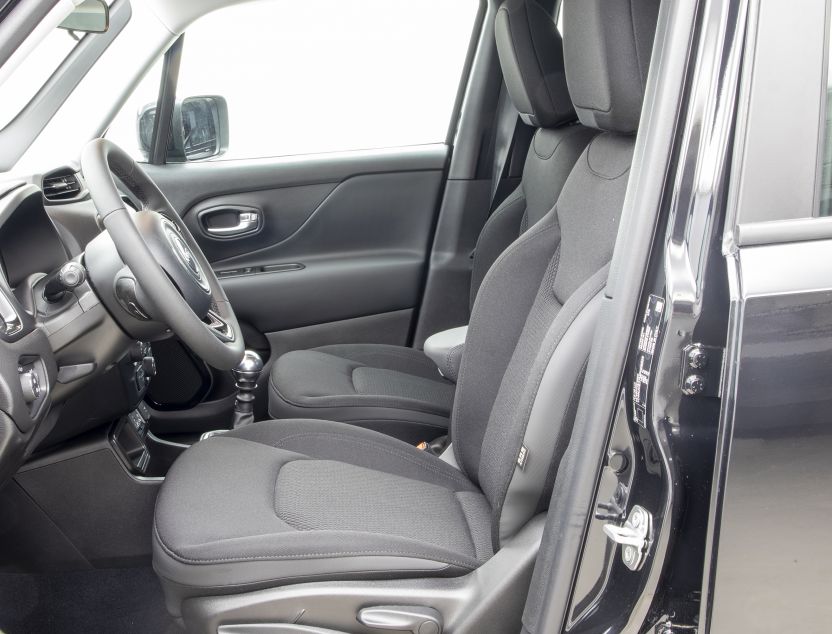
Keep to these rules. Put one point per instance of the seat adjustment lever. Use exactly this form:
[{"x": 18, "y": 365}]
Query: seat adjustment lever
[{"x": 402, "y": 618}]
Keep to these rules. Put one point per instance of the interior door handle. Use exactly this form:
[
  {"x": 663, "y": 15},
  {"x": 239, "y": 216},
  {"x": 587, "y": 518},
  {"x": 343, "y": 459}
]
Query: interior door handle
[{"x": 246, "y": 221}]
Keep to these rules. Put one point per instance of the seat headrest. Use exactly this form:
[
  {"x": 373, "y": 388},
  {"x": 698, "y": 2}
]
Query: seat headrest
[
  {"x": 607, "y": 47},
  {"x": 531, "y": 56}
]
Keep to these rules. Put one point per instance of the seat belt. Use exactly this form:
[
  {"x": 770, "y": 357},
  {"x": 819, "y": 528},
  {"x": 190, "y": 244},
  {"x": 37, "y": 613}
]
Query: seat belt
[
  {"x": 511, "y": 136},
  {"x": 507, "y": 121}
]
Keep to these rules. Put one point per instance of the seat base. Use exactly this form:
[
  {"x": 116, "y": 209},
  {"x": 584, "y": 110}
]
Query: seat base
[
  {"x": 282, "y": 502},
  {"x": 488, "y": 599}
]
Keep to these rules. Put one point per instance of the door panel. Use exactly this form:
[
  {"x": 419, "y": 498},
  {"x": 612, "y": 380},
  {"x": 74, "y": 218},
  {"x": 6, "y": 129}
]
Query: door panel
[
  {"x": 341, "y": 247},
  {"x": 283, "y": 212}
]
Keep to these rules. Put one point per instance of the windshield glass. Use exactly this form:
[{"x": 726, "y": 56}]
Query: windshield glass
[
  {"x": 33, "y": 72},
  {"x": 45, "y": 50}
]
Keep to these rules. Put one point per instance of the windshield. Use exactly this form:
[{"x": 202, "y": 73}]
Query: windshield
[{"x": 33, "y": 72}]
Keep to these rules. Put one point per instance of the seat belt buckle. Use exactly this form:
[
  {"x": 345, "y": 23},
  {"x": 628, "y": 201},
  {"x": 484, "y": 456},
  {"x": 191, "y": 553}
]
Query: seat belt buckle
[{"x": 436, "y": 447}]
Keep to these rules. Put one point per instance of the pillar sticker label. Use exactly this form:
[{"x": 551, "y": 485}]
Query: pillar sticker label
[{"x": 650, "y": 326}]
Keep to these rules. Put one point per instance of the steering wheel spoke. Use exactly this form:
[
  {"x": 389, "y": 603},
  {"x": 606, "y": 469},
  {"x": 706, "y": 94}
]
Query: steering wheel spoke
[{"x": 219, "y": 326}]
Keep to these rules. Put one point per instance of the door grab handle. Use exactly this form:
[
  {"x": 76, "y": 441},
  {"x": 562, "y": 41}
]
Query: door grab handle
[
  {"x": 249, "y": 220},
  {"x": 246, "y": 221}
]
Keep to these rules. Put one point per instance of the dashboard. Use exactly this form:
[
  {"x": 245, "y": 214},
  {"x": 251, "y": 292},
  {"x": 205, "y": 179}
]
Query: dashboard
[{"x": 66, "y": 366}]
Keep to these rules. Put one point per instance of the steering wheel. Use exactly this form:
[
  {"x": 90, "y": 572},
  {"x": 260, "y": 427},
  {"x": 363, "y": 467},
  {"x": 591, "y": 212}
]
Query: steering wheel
[{"x": 167, "y": 263}]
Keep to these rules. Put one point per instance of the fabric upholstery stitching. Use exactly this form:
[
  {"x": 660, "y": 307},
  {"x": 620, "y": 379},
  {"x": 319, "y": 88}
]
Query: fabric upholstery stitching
[
  {"x": 345, "y": 400},
  {"x": 598, "y": 174},
  {"x": 346, "y": 438}
]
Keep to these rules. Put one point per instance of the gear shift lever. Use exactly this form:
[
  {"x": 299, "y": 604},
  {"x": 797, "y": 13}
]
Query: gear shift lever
[{"x": 246, "y": 374}]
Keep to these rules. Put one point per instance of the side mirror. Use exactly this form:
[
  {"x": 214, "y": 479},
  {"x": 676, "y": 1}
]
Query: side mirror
[
  {"x": 199, "y": 128},
  {"x": 91, "y": 16}
]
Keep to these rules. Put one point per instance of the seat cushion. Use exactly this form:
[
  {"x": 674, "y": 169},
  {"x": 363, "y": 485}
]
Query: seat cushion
[
  {"x": 281, "y": 502},
  {"x": 392, "y": 389}
]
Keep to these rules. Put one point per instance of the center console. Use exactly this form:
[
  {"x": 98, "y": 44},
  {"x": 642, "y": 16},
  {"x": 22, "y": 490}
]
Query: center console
[{"x": 141, "y": 453}]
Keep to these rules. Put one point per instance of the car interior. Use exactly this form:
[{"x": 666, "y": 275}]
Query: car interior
[{"x": 320, "y": 394}]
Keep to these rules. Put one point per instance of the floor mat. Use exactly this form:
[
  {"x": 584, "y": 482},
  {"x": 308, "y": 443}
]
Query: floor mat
[{"x": 120, "y": 601}]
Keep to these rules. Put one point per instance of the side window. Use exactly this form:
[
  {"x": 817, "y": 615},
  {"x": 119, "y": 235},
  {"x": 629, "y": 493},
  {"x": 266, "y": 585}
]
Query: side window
[
  {"x": 124, "y": 129},
  {"x": 321, "y": 75},
  {"x": 780, "y": 169},
  {"x": 825, "y": 198}
]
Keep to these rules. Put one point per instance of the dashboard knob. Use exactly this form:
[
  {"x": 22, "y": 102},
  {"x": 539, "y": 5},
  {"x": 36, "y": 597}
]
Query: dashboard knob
[
  {"x": 149, "y": 366},
  {"x": 137, "y": 352},
  {"x": 69, "y": 276}
]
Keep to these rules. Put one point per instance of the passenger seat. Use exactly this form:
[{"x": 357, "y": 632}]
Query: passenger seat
[{"x": 398, "y": 390}]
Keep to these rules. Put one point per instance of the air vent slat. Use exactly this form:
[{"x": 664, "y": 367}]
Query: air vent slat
[{"x": 61, "y": 187}]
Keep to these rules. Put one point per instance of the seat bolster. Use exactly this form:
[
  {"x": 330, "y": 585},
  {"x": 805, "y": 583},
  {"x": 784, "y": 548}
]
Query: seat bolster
[
  {"x": 328, "y": 440},
  {"x": 558, "y": 386},
  {"x": 311, "y": 378},
  {"x": 384, "y": 396},
  {"x": 384, "y": 357}
]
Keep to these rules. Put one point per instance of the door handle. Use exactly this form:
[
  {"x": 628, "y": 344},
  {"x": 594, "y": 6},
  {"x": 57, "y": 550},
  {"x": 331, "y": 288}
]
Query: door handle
[{"x": 244, "y": 221}]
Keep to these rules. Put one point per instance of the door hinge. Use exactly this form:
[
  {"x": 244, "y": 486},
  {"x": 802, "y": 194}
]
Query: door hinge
[{"x": 702, "y": 370}]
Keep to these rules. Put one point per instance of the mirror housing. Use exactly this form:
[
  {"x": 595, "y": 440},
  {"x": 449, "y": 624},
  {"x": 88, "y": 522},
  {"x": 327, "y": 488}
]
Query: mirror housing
[
  {"x": 199, "y": 128},
  {"x": 91, "y": 16}
]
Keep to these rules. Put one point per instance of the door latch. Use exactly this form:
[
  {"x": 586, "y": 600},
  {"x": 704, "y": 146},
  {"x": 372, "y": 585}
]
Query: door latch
[{"x": 634, "y": 536}]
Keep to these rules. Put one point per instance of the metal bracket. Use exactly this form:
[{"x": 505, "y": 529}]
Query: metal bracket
[
  {"x": 634, "y": 537},
  {"x": 701, "y": 370},
  {"x": 666, "y": 626}
]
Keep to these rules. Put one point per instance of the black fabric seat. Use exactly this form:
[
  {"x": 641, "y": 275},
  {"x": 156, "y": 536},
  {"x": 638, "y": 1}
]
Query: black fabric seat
[
  {"x": 292, "y": 501},
  {"x": 301, "y": 498},
  {"x": 388, "y": 388},
  {"x": 398, "y": 390}
]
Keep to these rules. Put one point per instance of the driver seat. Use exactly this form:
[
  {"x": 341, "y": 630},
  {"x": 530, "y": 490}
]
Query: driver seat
[{"x": 300, "y": 501}]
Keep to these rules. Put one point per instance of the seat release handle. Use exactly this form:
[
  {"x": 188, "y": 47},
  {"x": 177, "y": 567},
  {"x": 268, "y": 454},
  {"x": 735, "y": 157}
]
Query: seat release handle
[{"x": 402, "y": 618}]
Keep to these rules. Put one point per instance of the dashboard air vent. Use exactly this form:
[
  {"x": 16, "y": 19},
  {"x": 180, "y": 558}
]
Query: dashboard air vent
[{"x": 62, "y": 187}]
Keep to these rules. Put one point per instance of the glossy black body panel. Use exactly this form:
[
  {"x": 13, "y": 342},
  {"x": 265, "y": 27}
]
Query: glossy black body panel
[{"x": 773, "y": 555}]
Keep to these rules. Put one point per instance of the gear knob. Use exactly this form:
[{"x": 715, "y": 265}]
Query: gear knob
[
  {"x": 249, "y": 368},
  {"x": 246, "y": 374}
]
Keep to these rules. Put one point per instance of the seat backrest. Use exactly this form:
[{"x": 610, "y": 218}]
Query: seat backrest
[
  {"x": 533, "y": 320},
  {"x": 531, "y": 57}
]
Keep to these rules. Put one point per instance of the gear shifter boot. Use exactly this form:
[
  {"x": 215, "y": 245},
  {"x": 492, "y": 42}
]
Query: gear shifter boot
[{"x": 246, "y": 374}]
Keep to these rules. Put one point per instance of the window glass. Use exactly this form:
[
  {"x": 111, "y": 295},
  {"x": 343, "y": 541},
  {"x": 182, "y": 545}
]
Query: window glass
[
  {"x": 26, "y": 80},
  {"x": 329, "y": 75},
  {"x": 124, "y": 129},
  {"x": 825, "y": 203}
]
